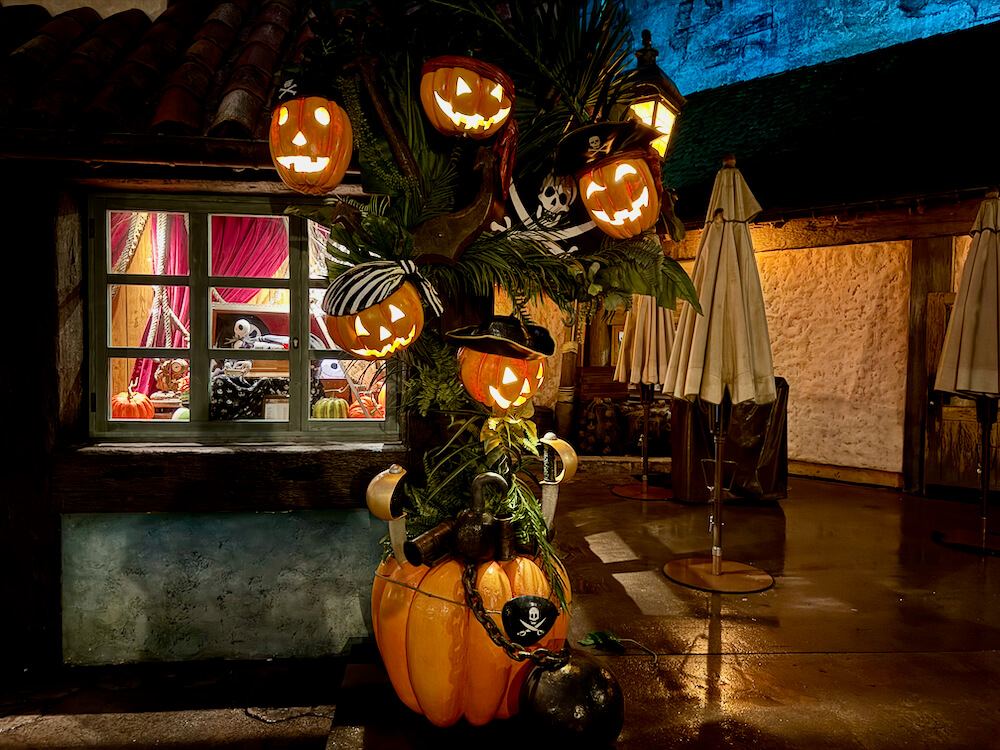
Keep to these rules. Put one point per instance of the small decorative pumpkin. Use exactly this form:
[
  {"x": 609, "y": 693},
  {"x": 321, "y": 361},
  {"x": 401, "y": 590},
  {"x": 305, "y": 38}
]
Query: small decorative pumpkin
[
  {"x": 374, "y": 309},
  {"x": 464, "y": 96},
  {"x": 439, "y": 658},
  {"x": 500, "y": 382},
  {"x": 366, "y": 403},
  {"x": 311, "y": 143},
  {"x": 330, "y": 408},
  {"x": 621, "y": 196},
  {"x": 130, "y": 404}
]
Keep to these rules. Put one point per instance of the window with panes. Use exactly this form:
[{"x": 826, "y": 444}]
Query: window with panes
[{"x": 205, "y": 322}]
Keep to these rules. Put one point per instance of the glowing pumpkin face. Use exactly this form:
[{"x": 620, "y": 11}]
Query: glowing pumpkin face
[
  {"x": 311, "y": 143},
  {"x": 620, "y": 196},
  {"x": 501, "y": 383},
  {"x": 460, "y": 101},
  {"x": 383, "y": 328}
]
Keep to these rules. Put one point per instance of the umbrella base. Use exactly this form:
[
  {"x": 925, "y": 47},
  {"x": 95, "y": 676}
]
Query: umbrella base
[
  {"x": 976, "y": 543},
  {"x": 643, "y": 491},
  {"x": 735, "y": 578}
]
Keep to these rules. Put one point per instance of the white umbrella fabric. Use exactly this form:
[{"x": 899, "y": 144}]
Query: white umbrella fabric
[
  {"x": 647, "y": 337},
  {"x": 728, "y": 347},
  {"x": 723, "y": 357},
  {"x": 970, "y": 358}
]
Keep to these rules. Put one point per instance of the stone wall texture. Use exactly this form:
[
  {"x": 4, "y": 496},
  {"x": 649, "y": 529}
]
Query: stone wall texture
[
  {"x": 838, "y": 319},
  {"x": 709, "y": 43},
  {"x": 173, "y": 587}
]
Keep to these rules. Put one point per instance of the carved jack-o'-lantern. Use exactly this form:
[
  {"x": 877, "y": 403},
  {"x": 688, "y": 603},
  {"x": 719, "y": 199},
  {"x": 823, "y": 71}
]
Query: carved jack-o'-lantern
[
  {"x": 620, "y": 196},
  {"x": 375, "y": 309},
  {"x": 499, "y": 382},
  {"x": 311, "y": 143},
  {"x": 617, "y": 172},
  {"x": 464, "y": 96}
]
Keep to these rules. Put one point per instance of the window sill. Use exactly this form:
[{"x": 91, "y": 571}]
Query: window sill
[{"x": 200, "y": 478}]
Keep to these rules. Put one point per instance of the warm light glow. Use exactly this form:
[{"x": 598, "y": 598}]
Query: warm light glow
[
  {"x": 383, "y": 333},
  {"x": 509, "y": 376},
  {"x": 359, "y": 328},
  {"x": 473, "y": 121},
  {"x": 657, "y": 115},
  {"x": 322, "y": 115},
  {"x": 304, "y": 164},
  {"x": 283, "y": 115},
  {"x": 624, "y": 170},
  {"x": 630, "y": 214},
  {"x": 300, "y": 139},
  {"x": 499, "y": 399},
  {"x": 497, "y": 92},
  {"x": 462, "y": 87},
  {"x": 395, "y": 314},
  {"x": 593, "y": 187},
  {"x": 401, "y": 342}
]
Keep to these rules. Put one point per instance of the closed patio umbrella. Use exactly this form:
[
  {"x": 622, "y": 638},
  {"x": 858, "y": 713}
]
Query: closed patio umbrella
[
  {"x": 970, "y": 358},
  {"x": 647, "y": 336},
  {"x": 723, "y": 357}
]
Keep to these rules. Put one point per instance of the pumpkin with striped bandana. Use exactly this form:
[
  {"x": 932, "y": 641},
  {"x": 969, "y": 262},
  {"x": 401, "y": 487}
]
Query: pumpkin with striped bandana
[{"x": 375, "y": 309}]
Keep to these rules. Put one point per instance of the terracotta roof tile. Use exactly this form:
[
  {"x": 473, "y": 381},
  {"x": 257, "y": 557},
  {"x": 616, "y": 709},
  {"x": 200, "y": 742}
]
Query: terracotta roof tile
[
  {"x": 18, "y": 23},
  {"x": 26, "y": 67},
  {"x": 241, "y": 110},
  {"x": 72, "y": 84},
  {"x": 124, "y": 104}
]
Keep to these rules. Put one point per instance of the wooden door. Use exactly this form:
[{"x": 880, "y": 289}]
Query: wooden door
[{"x": 951, "y": 443}]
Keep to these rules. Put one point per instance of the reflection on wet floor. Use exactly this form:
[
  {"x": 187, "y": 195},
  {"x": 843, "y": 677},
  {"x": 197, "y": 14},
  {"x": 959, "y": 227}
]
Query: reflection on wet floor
[{"x": 872, "y": 636}]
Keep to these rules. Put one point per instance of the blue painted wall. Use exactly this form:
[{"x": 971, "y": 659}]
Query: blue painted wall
[
  {"x": 709, "y": 43},
  {"x": 172, "y": 587}
]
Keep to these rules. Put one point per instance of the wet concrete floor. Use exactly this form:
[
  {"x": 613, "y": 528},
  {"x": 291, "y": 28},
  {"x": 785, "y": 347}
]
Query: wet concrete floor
[{"x": 873, "y": 636}]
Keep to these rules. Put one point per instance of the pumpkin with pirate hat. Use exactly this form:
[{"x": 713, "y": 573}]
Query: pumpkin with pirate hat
[
  {"x": 618, "y": 175},
  {"x": 502, "y": 361}
]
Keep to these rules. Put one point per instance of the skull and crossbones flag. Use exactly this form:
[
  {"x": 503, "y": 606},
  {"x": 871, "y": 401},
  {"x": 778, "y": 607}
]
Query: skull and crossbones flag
[{"x": 368, "y": 284}]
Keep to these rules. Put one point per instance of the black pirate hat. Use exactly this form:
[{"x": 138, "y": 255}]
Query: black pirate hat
[
  {"x": 507, "y": 336},
  {"x": 592, "y": 144}
]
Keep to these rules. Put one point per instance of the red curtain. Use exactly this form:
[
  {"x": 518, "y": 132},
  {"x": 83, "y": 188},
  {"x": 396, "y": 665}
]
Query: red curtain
[{"x": 246, "y": 246}]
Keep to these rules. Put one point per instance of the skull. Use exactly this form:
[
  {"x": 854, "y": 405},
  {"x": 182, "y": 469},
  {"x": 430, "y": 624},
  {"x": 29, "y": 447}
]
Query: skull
[
  {"x": 533, "y": 615},
  {"x": 555, "y": 198},
  {"x": 594, "y": 142}
]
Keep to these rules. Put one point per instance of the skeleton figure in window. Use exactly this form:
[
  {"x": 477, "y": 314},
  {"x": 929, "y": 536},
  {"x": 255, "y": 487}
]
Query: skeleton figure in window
[{"x": 556, "y": 196}]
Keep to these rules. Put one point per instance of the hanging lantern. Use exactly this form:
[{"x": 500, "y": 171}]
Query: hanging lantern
[
  {"x": 376, "y": 309},
  {"x": 658, "y": 102},
  {"x": 502, "y": 361},
  {"x": 612, "y": 164},
  {"x": 311, "y": 143},
  {"x": 464, "y": 96}
]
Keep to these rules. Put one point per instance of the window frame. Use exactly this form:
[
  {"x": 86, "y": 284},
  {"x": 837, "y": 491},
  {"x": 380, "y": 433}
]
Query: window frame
[{"x": 199, "y": 209}]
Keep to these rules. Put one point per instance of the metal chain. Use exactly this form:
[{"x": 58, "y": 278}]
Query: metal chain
[{"x": 543, "y": 657}]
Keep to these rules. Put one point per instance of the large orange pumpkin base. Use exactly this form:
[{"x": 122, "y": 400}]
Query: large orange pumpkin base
[{"x": 439, "y": 659}]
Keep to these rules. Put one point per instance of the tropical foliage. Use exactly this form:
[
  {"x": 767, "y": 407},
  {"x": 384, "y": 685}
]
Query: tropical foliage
[{"x": 570, "y": 62}]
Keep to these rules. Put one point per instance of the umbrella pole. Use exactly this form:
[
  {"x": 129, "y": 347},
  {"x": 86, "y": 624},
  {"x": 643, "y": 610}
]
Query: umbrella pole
[
  {"x": 981, "y": 541},
  {"x": 719, "y": 428},
  {"x": 643, "y": 491},
  {"x": 986, "y": 414},
  {"x": 715, "y": 574}
]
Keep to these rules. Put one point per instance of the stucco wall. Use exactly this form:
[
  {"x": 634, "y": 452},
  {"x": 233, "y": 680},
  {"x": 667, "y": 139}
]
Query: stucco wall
[
  {"x": 172, "y": 587},
  {"x": 838, "y": 319}
]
